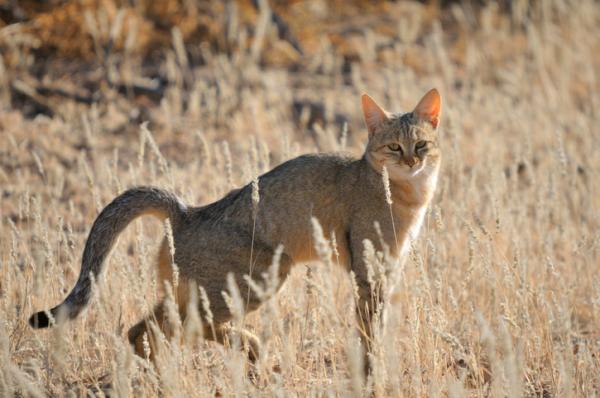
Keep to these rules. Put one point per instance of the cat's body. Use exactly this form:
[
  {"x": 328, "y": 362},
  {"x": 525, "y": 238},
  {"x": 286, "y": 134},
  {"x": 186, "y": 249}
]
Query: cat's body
[{"x": 347, "y": 196}]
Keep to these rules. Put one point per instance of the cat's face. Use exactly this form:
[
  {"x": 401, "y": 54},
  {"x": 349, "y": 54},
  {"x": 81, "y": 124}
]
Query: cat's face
[{"x": 407, "y": 145}]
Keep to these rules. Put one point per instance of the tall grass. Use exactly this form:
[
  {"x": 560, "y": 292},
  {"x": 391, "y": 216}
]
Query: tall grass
[{"x": 500, "y": 295}]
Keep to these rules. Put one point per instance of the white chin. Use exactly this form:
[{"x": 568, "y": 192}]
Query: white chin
[{"x": 403, "y": 172}]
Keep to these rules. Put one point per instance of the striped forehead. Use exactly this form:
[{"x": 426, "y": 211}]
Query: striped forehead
[{"x": 403, "y": 126}]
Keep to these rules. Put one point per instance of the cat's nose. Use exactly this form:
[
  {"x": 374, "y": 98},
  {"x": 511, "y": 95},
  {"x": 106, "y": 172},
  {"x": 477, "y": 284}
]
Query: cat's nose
[{"x": 410, "y": 162}]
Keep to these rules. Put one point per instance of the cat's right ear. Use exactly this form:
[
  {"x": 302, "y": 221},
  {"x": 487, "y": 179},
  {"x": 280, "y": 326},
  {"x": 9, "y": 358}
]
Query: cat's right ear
[{"x": 374, "y": 115}]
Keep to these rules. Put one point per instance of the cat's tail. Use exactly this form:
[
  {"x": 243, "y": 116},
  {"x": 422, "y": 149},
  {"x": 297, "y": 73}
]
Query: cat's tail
[{"x": 103, "y": 235}]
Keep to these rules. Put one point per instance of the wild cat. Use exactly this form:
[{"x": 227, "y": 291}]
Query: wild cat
[{"x": 346, "y": 195}]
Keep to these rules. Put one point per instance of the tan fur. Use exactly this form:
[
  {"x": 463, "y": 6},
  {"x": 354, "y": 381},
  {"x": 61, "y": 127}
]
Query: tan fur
[{"x": 345, "y": 195}]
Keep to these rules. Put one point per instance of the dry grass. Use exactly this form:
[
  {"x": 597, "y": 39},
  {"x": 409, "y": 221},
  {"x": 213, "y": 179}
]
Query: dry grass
[{"x": 500, "y": 297}]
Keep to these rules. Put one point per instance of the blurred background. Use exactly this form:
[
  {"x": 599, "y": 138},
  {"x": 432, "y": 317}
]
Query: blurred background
[{"x": 126, "y": 57}]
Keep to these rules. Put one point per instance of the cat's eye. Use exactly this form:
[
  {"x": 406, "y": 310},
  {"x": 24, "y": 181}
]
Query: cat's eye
[
  {"x": 420, "y": 145},
  {"x": 395, "y": 147}
]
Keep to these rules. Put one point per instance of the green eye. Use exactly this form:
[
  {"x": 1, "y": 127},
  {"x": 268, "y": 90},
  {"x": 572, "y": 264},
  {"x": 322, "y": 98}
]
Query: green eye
[
  {"x": 395, "y": 147},
  {"x": 420, "y": 145}
]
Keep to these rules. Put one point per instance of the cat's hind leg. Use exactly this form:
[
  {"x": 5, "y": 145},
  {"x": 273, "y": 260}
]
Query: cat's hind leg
[
  {"x": 142, "y": 336},
  {"x": 160, "y": 316},
  {"x": 248, "y": 299},
  {"x": 211, "y": 274}
]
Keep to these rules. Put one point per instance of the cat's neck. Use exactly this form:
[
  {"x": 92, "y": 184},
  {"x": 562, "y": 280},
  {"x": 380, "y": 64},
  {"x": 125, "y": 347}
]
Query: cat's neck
[
  {"x": 410, "y": 193},
  {"x": 417, "y": 191}
]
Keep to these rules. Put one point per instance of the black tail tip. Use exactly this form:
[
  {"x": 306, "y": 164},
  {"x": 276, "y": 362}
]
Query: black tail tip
[{"x": 39, "y": 320}]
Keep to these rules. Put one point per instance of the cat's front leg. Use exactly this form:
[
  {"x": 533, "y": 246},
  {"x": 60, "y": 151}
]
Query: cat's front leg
[
  {"x": 369, "y": 318},
  {"x": 372, "y": 285}
]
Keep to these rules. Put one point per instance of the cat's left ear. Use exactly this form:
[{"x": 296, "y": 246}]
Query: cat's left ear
[{"x": 430, "y": 107}]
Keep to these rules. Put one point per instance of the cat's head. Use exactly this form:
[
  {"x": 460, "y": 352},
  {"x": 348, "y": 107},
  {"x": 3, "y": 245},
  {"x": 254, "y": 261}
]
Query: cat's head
[{"x": 406, "y": 144}]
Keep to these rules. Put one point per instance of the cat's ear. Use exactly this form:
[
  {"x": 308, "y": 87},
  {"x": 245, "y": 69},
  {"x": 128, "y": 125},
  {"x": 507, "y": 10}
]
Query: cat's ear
[
  {"x": 429, "y": 107},
  {"x": 374, "y": 115}
]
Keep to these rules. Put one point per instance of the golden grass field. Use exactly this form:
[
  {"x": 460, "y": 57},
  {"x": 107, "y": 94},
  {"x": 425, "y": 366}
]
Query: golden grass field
[{"x": 501, "y": 294}]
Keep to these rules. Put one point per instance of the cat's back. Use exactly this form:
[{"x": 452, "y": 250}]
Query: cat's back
[
  {"x": 312, "y": 185},
  {"x": 321, "y": 186},
  {"x": 311, "y": 169},
  {"x": 309, "y": 185}
]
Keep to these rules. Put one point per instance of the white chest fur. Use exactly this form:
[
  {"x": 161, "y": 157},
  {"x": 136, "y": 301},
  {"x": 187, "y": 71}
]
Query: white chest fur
[
  {"x": 424, "y": 184},
  {"x": 413, "y": 231}
]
